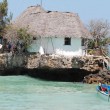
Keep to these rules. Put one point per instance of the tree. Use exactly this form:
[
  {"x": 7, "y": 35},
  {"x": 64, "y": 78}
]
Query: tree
[
  {"x": 99, "y": 29},
  {"x": 24, "y": 36},
  {"x": 18, "y": 37},
  {"x": 3, "y": 9},
  {"x": 4, "y": 19}
]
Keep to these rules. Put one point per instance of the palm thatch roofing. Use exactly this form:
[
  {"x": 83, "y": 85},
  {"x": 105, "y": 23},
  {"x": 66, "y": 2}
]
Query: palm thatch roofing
[{"x": 51, "y": 23}]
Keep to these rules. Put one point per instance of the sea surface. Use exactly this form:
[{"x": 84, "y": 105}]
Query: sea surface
[{"x": 25, "y": 93}]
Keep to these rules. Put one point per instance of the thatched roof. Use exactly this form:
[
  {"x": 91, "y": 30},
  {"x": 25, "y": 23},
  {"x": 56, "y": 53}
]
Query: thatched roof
[{"x": 51, "y": 23}]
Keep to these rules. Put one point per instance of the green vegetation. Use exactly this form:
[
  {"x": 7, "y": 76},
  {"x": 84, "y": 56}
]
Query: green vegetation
[
  {"x": 24, "y": 36},
  {"x": 4, "y": 19},
  {"x": 99, "y": 29}
]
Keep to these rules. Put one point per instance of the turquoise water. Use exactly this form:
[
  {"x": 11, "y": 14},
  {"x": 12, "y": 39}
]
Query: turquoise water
[{"x": 25, "y": 93}]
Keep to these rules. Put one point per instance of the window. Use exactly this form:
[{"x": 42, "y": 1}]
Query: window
[
  {"x": 84, "y": 42},
  {"x": 67, "y": 41},
  {"x": 1, "y": 39},
  {"x": 34, "y": 38}
]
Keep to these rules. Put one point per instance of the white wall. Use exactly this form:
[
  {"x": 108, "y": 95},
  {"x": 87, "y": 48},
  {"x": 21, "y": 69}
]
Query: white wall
[
  {"x": 35, "y": 46},
  {"x": 56, "y": 45}
]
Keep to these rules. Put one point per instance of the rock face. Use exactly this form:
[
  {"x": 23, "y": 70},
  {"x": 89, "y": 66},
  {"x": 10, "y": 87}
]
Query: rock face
[
  {"x": 102, "y": 76},
  {"x": 32, "y": 61},
  {"x": 60, "y": 66},
  {"x": 59, "y": 74},
  {"x": 7, "y": 60},
  {"x": 89, "y": 63},
  {"x": 48, "y": 61},
  {"x": 3, "y": 61}
]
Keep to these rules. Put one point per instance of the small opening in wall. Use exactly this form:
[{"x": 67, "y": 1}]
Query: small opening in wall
[
  {"x": 34, "y": 38},
  {"x": 84, "y": 42},
  {"x": 67, "y": 41},
  {"x": 49, "y": 11},
  {"x": 1, "y": 39}
]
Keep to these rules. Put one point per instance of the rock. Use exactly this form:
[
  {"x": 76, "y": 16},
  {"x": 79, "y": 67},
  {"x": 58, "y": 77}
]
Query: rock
[
  {"x": 101, "y": 76},
  {"x": 33, "y": 61}
]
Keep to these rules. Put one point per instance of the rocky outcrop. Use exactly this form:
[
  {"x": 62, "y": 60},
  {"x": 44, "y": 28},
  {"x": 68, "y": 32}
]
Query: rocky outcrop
[
  {"x": 7, "y": 60},
  {"x": 89, "y": 63},
  {"x": 48, "y": 61},
  {"x": 60, "y": 66},
  {"x": 3, "y": 61},
  {"x": 102, "y": 76},
  {"x": 59, "y": 74}
]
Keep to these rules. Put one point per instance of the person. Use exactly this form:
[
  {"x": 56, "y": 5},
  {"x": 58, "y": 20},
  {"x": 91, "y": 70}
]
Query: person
[
  {"x": 9, "y": 46},
  {"x": 102, "y": 88}
]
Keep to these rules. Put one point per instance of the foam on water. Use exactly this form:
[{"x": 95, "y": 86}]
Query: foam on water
[{"x": 24, "y": 93}]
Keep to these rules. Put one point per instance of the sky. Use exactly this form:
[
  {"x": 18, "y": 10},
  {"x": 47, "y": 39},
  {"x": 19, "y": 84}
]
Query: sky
[{"x": 86, "y": 9}]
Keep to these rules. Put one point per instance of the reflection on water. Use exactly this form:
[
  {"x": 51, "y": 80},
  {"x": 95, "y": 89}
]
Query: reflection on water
[{"x": 24, "y": 93}]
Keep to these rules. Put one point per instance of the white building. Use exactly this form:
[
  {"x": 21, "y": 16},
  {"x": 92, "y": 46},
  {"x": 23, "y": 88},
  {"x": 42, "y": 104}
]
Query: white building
[{"x": 54, "y": 32}]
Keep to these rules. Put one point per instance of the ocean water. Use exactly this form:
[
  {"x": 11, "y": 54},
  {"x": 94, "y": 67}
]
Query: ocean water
[{"x": 25, "y": 93}]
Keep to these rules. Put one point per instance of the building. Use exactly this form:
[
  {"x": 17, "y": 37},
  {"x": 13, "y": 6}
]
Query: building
[{"x": 54, "y": 32}]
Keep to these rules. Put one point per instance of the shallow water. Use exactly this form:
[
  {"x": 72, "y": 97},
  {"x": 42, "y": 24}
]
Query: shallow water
[{"x": 25, "y": 93}]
